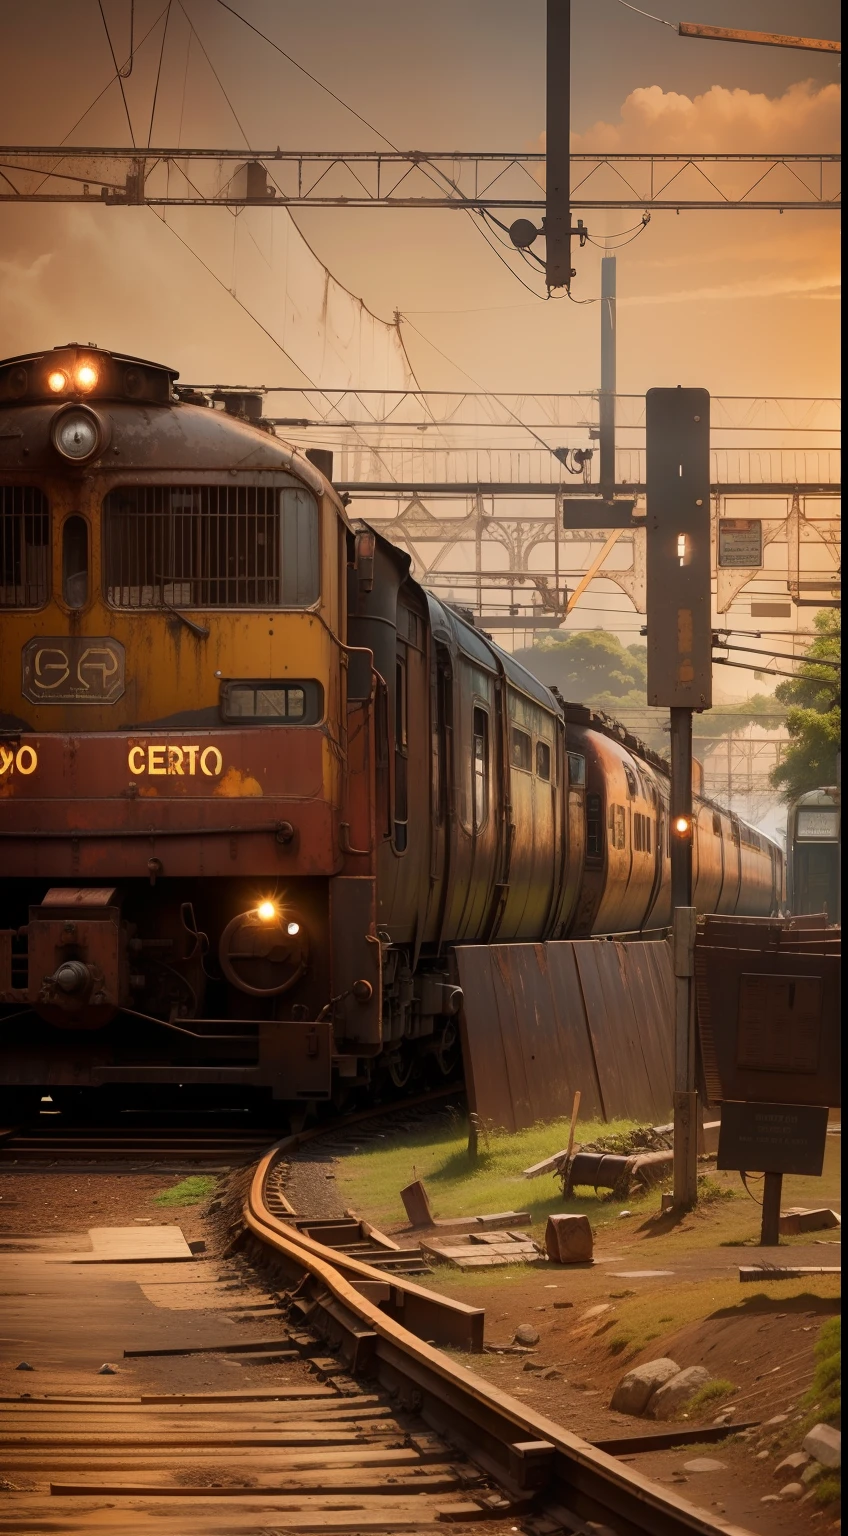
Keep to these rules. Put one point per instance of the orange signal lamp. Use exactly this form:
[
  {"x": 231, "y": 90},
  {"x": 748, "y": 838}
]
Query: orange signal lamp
[
  {"x": 266, "y": 911},
  {"x": 683, "y": 825},
  {"x": 57, "y": 381},
  {"x": 86, "y": 376}
]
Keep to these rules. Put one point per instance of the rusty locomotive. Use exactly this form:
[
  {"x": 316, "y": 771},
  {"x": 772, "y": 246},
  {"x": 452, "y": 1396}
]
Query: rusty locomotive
[{"x": 255, "y": 783}]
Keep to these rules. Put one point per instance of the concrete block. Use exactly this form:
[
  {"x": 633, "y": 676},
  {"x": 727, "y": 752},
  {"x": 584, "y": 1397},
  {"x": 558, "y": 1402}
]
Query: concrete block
[{"x": 824, "y": 1444}]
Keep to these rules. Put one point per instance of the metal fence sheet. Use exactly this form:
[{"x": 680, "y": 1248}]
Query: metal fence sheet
[{"x": 542, "y": 1020}]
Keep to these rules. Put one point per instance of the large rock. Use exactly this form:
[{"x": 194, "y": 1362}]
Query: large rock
[
  {"x": 527, "y": 1335},
  {"x": 824, "y": 1444},
  {"x": 636, "y": 1388},
  {"x": 568, "y": 1239},
  {"x": 671, "y": 1399}
]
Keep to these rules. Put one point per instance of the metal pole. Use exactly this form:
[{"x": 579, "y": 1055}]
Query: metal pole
[
  {"x": 681, "y": 807},
  {"x": 685, "y": 1096},
  {"x": 606, "y": 413},
  {"x": 772, "y": 1191},
  {"x": 557, "y": 222}
]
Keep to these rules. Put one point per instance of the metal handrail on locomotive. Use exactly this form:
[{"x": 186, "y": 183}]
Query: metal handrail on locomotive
[{"x": 255, "y": 782}]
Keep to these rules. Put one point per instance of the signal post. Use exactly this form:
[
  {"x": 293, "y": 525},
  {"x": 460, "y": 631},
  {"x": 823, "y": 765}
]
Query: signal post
[{"x": 680, "y": 679}]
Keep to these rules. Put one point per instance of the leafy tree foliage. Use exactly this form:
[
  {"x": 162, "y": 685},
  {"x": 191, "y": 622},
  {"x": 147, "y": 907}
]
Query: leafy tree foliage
[
  {"x": 813, "y": 714},
  {"x": 590, "y": 667}
]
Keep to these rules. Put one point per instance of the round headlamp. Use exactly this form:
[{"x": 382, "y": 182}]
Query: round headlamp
[{"x": 76, "y": 434}]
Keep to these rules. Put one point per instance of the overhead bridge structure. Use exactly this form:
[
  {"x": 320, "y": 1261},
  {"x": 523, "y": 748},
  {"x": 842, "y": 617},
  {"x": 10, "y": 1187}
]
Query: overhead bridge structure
[{"x": 415, "y": 178}]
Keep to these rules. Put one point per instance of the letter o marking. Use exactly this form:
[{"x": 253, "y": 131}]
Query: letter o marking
[
  {"x": 213, "y": 752},
  {"x": 26, "y": 760}
]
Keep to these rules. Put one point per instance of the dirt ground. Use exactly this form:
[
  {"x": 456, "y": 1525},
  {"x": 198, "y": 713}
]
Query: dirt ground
[
  {"x": 657, "y": 1287},
  {"x": 34, "y": 1201},
  {"x": 642, "y": 1298}
]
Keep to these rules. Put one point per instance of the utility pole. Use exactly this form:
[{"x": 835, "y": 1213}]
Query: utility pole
[
  {"x": 556, "y": 225},
  {"x": 680, "y": 677},
  {"x": 606, "y": 403}
]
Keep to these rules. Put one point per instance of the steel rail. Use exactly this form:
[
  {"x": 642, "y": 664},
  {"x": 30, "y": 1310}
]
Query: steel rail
[{"x": 539, "y": 1464}]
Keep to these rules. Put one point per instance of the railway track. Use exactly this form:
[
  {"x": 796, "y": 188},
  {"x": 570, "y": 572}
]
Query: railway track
[{"x": 367, "y": 1425}]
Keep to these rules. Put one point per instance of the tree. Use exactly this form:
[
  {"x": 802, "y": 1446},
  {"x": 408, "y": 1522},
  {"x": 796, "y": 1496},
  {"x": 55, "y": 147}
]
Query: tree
[
  {"x": 813, "y": 715},
  {"x": 589, "y": 667}
]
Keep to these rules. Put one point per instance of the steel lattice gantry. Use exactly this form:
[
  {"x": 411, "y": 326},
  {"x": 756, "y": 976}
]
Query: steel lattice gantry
[{"x": 414, "y": 179}]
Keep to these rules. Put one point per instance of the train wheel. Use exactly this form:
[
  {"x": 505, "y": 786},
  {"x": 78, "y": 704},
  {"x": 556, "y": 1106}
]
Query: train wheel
[
  {"x": 401, "y": 1065},
  {"x": 447, "y": 1053}
]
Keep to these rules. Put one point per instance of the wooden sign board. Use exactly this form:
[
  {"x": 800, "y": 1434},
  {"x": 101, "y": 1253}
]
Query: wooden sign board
[{"x": 772, "y": 1138}]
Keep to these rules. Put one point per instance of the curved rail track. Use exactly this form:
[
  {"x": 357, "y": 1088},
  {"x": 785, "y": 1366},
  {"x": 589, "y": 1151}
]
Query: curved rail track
[
  {"x": 383, "y": 1328},
  {"x": 367, "y": 1425}
]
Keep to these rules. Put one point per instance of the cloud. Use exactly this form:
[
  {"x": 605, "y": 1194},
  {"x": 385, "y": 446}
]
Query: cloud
[{"x": 804, "y": 120}]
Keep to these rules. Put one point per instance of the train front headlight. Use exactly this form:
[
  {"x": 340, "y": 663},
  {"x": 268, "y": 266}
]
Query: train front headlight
[
  {"x": 57, "y": 381},
  {"x": 86, "y": 376},
  {"x": 76, "y": 433}
]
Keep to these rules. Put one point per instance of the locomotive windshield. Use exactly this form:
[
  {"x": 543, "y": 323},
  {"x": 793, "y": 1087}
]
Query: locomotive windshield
[{"x": 218, "y": 546}]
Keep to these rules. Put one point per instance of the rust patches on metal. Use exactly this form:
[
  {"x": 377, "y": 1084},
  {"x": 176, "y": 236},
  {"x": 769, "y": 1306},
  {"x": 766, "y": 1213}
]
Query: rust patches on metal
[{"x": 236, "y": 784}]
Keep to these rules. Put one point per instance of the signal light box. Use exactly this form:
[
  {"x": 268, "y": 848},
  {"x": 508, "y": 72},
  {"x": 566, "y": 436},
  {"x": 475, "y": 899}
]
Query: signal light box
[{"x": 678, "y": 548}]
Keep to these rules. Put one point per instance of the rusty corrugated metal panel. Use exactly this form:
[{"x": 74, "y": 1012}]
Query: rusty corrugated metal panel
[{"x": 542, "y": 1020}]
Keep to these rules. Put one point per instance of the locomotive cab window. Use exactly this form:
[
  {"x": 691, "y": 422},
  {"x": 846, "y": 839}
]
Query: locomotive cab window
[
  {"x": 75, "y": 561},
  {"x": 218, "y": 546},
  {"x": 543, "y": 761},
  {"x": 520, "y": 749},
  {"x": 271, "y": 702},
  {"x": 24, "y": 547}
]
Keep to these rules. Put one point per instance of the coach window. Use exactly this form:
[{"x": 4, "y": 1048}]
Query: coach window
[
  {"x": 75, "y": 561},
  {"x": 480, "y": 767},
  {"x": 401, "y": 747},
  {"x": 616, "y": 825},
  {"x": 631, "y": 781},
  {"x": 594, "y": 828},
  {"x": 576, "y": 770},
  {"x": 520, "y": 749},
  {"x": 543, "y": 761}
]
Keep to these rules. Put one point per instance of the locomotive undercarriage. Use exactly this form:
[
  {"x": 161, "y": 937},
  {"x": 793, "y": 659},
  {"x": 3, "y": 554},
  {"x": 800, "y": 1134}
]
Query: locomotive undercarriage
[{"x": 202, "y": 985}]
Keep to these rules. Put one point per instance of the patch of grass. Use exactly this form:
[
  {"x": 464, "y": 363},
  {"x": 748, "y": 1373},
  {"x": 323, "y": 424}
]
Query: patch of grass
[
  {"x": 190, "y": 1191},
  {"x": 371, "y": 1180},
  {"x": 824, "y": 1398},
  {"x": 709, "y": 1190},
  {"x": 828, "y": 1489},
  {"x": 619, "y": 1342},
  {"x": 711, "y": 1392}
]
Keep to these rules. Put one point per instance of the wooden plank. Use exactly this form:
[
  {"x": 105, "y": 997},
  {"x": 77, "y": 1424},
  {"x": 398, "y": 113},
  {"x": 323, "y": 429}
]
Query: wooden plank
[
  {"x": 785, "y": 1271},
  {"x": 367, "y": 1484},
  {"x": 243, "y": 1347},
  {"x": 134, "y": 1245},
  {"x": 666, "y": 1440},
  {"x": 233, "y": 1397}
]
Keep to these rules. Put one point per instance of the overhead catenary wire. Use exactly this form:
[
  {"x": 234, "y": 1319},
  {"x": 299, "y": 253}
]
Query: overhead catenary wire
[
  {"x": 649, "y": 14},
  {"x": 158, "y": 73},
  {"x": 118, "y": 72}
]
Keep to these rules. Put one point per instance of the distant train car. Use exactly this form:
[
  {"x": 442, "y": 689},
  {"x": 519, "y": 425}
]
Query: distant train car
[
  {"x": 255, "y": 782},
  {"x": 814, "y": 853}
]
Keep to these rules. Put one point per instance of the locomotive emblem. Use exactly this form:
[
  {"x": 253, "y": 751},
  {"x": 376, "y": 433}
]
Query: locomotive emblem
[{"x": 73, "y": 669}]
